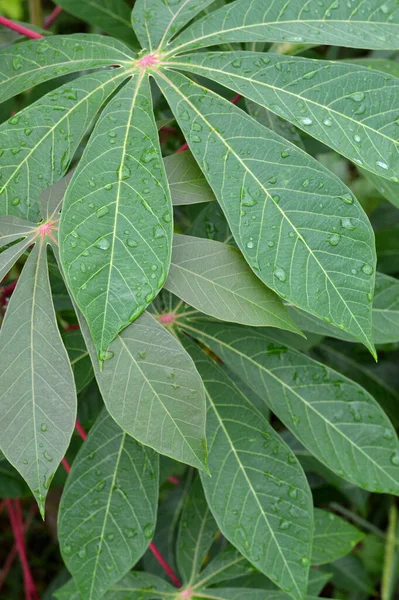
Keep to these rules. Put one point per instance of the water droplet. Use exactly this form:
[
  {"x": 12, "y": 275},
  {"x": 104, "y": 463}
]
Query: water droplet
[
  {"x": 388, "y": 434},
  {"x": 284, "y": 524},
  {"x": 159, "y": 232},
  {"x": 102, "y": 211},
  {"x": 334, "y": 239},
  {"x": 357, "y": 96},
  {"x": 149, "y": 155},
  {"x": 15, "y": 201},
  {"x": 395, "y": 459},
  {"x": 367, "y": 269},
  {"x": 108, "y": 186},
  {"x": 148, "y": 530},
  {"x": 123, "y": 172},
  {"x": 43, "y": 427},
  {"x": 105, "y": 355},
  {"x": 305, "y": 561},
  {"x": 250, "y": 244},
  {"x": 17, "y": 63},
  {"x": 285, "y": 154},
  {"x": 82, "y": 553},
  {"x": 280, "y": 274},
  {"x": 346, "y": 223},
  {"x": 348, "y": 198},
  {"x": 103, "y": 244},
  {"x": 130, "y": 532},
  {"x": 306, "y": 121},
  {"x": 382, "y": 164},
  {"x": 357, "y": 139},
  {"x": 67, "y": 549},
  {"x": 131, "y": 243},
  {"x": 47, "y": 456},
  {"x": 327, "y": 122}
]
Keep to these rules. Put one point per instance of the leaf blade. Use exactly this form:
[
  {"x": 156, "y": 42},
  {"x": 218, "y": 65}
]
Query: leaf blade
[{"x": 333, "y": 537}]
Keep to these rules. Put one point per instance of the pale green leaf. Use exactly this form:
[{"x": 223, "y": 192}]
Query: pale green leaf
[
  {"x": 197, "y": 530},
  {"x": 299, "y": 228},
  {"x": 187, "y": 183},
  {"x": 336, "y": 419},
  {"x": 79, "y": 358},
  {"x": 333, "y": 537},
  {"x": 355, "y": 25},
  {"x": 345, "y": 106},
  {"x": 35, "y": 61},
  {"x": 108, "y": 507},
  {"x": 385, "y": 315},
  {"x": 156, "y": 21},
  {"x": 250, "y": 465},
  {"x": 39, "y": 142},
  {"x": 152, "y": 389},
  {"x": 215, "y": 279},
  {"x": 38, "y": 398},
  {"x": 112, "y": 16},
  {"x": 116, "y": 223}
]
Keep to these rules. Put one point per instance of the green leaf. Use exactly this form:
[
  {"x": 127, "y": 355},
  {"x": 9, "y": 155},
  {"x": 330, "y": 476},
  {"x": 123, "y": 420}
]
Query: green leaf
[
  {"x": 315, "y": 22},
  {"x": 276, "y": 123},
  {"x": 388, "y": 189},
  {"x": 156, "y": 21},
  {"x": 385, "y": 315},
  {"x": 387, "y": 244},
  {"x": 152, "y": 389},
  {"x": 35, "y": 61},
  {"x": 349, "y": 574},
  {"x": 40, "y": 141},
  {"x": 51, "y": 199},
  {"x": 378, "y": 64},
  {"x": 11, "y": 229},
  {"x": 79, "y": 358},
  {"x": 274, "y": 535},
  {"x": 38, "y": 398},
  {"x": 333, "y": 537},
  {"x": 196, "y": 534},
  {"x": 211, "y": 224},
  {"x": 108, "y": 507},
  {"x": 187, "y": 184},
  {"x": 116, "y": 223},
  {"x": 299, "y": 228},
  {"x": 112, "y": 16},
  {"x": 336, "y": 419},
  {"x": 317, "y": 581},
  {"x": 215, "y": 279},
  {"x": 345, "y": 106}
]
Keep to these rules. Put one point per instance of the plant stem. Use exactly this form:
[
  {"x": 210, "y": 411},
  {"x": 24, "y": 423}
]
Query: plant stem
[
  {"x": 167, "y": 568},
  {"x": 390, "y": 573},
  {"x": 36, "y": 13},
  {"x": 52, "y": 17},
  {"x": 15, "y": 515},
  {"x": 20, "y": 28}
]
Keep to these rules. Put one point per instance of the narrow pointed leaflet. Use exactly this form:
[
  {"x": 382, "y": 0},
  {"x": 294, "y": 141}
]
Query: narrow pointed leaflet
[
  {"x": 32, "y": 62},
  {"x": 12, "y": 229},
  {"x": 250, "y": 467},
  {"x": 113, "y": 487},
  {"x": 298, "y": 226},
  {"x": 334, "y": 418},
  {"x": 352, "y": 24},
  {"x": 350, "y": 108},
  {"x": 156, "y": 21},
  {"x": 214, "y": 278},
  {"x": 52, "y": 128},
  {"x": 38, "y": 398},
  {"x": 116, "y": 223},
  {"x": 152, "y": 389},
  {"x": 333, "y": 537}
]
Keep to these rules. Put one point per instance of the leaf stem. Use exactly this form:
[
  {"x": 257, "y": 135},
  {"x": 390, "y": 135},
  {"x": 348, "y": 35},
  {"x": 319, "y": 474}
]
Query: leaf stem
[
  {"x": 52, "y": 17},
  {"x": 36, "y": 12},
  {"x": 167, "y": 568},
  {"x": 20, "y": 28},
  {"x": 15, "y": 515},
  {"x": 390, "y": 572}
]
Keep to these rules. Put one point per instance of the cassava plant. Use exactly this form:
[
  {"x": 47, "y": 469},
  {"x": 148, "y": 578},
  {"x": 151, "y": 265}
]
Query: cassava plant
[{"x": 222, "y": 302}]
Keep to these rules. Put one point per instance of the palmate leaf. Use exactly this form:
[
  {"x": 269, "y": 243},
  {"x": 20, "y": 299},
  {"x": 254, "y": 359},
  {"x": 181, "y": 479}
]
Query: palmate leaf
[
  {"x": 187, "y": 183},
  {"x": 299, "y": 228},
  {"x": 215, "y": 279},
  {"x": 35, "y": 61},
  {"x": 336, "y": 419},
  {"x": 333, "y": 537},
  {"x": 274, "y": 535},
  {"x": 385, "y": 315},
  {"x": 116, "y": 223},
  {"x": 349, "y": 108},
  {"x": 152, "y": 389},
  {"x": 38, "y": 398},
  {"x": 39, "y": 142},
  {"x": 354, "y": 25},
  {"x": 108, "y": 507},
  {"x": 196, "y": 534},
  {"x": 156, "y": 21},
  {"x": 12, "y": 229},
  {"x": 113, "y": 16}
]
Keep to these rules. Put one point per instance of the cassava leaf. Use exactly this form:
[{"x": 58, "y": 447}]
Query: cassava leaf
[
  {"x": 156, "y": 21},
  {"x": 51, "y": 199},
  {"x": 336, "y": 419},
  {"x": 35, "y": 61},
  {"x": 108, "y": 507},
  {"x": 250, "y": 465},
  {"x": 354, "y": 25},
  {"x": 197, "y": 530},
  {"x": 347, "y": 107},
  {"x": 79, "y": 358},
  {"x": 11, "y": 229},
  {"x": 134, "y": 586},
  {"x": 116, "y": 223},
  {"x": 187, "y": 183},
  {"x": 333, "y": 537},
  {"x": 38, "y": 397},
  {"x": 388, "y": 189},
  {"x": 227, "y": 565},
  {"x": 299, "y": 228},
  {"x": 152, "y": 389},
  {"x": 385, "y": 315},
  {"x": 214, "y": 278},
  {"x": 112, "y": 16},
  {"x": 379, "y": 64},
  {"x": 52, "y": 128}
]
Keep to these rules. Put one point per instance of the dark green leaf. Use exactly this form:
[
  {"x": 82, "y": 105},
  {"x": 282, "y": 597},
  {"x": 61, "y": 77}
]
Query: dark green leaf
[
  {"x": 308, "y": 254},
  {"x": 333, "y": 537},
  {"x": 108, "y": 507}
]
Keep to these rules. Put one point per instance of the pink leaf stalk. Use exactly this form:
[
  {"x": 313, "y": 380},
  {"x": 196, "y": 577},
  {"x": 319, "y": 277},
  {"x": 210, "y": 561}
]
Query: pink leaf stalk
[{"x": 20, "y": 28}]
